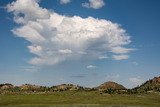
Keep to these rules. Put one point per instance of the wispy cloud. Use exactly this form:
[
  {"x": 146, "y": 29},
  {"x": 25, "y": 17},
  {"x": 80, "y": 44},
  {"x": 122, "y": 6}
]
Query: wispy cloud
[
  {"x": 65, "y": 51},
  {"x": 120, "y": 57},
  {"x": 78, "y": 76},
  {"x": 121, "y": 50},
  {"x": 64, "y": 1},
  {"x": 91, "y": 67},
  {"x": 95, "y": 4},
  {"x": 29, "y": 68},
  {"x": 55, "y": 38},
  {"x": 112, "y": 77},
  {"x": 136, "y": 80},
  {"x": 103, "y": 57},
  {"x": 135, "y": 63}
]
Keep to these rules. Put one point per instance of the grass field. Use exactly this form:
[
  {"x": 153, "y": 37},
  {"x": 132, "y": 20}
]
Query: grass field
[{"x": 79, "y": 99}]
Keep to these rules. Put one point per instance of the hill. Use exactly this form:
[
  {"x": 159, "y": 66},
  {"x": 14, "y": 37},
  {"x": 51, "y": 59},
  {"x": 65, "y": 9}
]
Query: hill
[
  {"x": 6, "y": 86},
  {"x": 152, "y": 85},
  {"x": 65, "y": 87},
  {"x": 110, "y": 85}
]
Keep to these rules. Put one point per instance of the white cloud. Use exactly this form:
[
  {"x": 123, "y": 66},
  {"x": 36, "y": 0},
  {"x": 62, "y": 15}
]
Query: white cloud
[
  {"x": 102, "y": 57},
  {"x": 30, "y": 11},
  {"x": 95, "y": 4},
  {"x": 120, "y": 57},
  {"x": 121, "y": 50},
  {"x": 65, "y": 51},
  {"x": 91, "y": 66},
  {"x": 55, "y": 38},
  {"x": 136, "y": 81},
  {"x": 65, "y": 1},
  {"x": 35, "y": 49}
]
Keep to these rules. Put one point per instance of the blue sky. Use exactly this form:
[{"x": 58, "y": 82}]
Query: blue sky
[{"x": 25, "y": 59}]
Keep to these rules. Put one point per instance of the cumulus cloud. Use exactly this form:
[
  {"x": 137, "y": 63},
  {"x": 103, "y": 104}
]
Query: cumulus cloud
[
  {"x": 64, "y": 1},
  {"x": 27, "y": 10},
  {"x": 95, "y": 4},
  {"x": 55, "y": 38},
  {"x": 136, "y": 81},
  {"x": 91, "y": 66}
]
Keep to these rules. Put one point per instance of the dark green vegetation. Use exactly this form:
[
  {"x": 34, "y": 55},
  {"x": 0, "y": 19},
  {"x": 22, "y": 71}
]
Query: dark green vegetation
[{"x": 109, "y": 93}]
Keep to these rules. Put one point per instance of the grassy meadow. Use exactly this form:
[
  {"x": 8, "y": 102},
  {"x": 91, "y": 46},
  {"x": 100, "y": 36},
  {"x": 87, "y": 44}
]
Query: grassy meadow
[{"x": 79, "y": 99}]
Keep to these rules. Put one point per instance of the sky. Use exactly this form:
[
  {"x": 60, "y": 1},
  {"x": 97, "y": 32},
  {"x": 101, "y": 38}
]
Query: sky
[{"x": 83, "y": 42}]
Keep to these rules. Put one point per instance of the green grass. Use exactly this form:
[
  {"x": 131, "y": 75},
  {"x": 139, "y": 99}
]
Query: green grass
[{"x": 80, "y": 99}]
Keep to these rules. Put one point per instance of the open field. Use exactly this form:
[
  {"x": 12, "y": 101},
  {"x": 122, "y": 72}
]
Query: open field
[{"x": 79, "y": 99}]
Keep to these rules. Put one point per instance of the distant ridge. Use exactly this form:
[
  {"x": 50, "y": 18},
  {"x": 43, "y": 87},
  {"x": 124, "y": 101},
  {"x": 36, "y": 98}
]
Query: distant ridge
[{"x": 150, "y": 86}]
